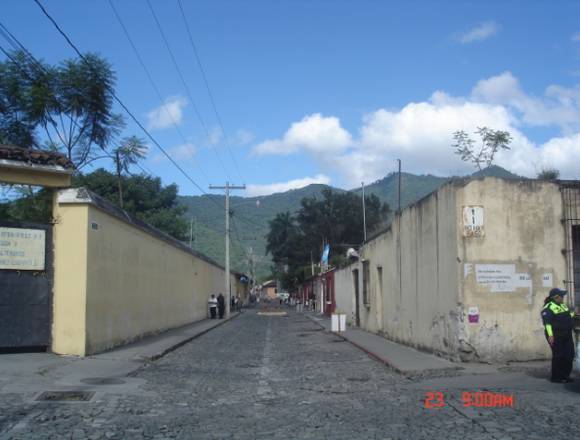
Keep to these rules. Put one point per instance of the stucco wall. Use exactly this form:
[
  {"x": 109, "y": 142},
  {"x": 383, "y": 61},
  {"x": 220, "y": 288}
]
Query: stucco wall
[
  {"x": 344, "y": 291},
  {"x": 523, "y": 234},
  {"x": 116, "y": 281},
  {"x": 70, "y": 279},
  {"x": 416, "y": 303}
]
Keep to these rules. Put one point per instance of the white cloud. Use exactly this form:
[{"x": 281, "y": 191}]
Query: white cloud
[
  {"x": 576, "y": 37},
  {"x": 243, "y": 137},
  {"x": 314, "y": 133},
  {"x": 262, "y": 190},
  {"x": 480, "y": 32},
  {"x": 171, "y": 112},
  {"x": 182, "y": 152},
  {"x": 215, "y": 136},
  {"x": 421, "y": 133}
]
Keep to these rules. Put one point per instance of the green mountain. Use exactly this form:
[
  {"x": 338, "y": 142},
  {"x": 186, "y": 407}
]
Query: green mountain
[{"x": 250, "y": 215}]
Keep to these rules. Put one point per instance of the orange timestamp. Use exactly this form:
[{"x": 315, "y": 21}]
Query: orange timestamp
[{"x": 478, "y": 399}]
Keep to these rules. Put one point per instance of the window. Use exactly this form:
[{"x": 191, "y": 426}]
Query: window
[{"x": 366, "y": 283}]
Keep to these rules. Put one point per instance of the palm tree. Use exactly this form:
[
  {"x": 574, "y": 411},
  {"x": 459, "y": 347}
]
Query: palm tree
[{"x": 131, "y": 150}]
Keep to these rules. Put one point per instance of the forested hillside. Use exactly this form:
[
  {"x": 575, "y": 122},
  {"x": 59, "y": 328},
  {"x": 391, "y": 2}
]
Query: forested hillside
[{"x": 251, "y": 215}]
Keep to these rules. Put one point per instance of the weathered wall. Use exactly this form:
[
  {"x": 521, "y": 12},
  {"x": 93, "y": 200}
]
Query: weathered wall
[
  {"x": 344, "y": 291},
  {"x": 117, "y": 280},
  {"x": 416, "y": 303},
  {"x": 507, "y": 272}
]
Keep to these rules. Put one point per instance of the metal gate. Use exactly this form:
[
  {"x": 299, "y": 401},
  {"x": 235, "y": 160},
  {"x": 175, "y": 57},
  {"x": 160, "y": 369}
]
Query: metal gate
[{"x": 26, "y": 272}]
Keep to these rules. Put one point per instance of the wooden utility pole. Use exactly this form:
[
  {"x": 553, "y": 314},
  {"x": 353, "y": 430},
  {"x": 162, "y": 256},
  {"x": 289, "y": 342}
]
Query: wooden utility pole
[{"x": 227, "y": 188}]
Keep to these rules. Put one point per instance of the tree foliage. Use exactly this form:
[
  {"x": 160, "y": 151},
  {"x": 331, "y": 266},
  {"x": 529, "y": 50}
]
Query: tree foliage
[
  {"x": 482, "y": 155},
  {"x": 144, "y": 196},
  {"x": 68, "y": 107},
  {"x": 335, "y": 218},
  {"x": 549, "y": 174}
]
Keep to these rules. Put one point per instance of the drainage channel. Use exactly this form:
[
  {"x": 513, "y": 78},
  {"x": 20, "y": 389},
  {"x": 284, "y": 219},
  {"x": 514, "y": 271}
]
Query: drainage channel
[{"x": 77, "y": 395}]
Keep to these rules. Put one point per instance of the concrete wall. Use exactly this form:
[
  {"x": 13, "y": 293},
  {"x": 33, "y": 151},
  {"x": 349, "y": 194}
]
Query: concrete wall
[
  {"x": 344, "y": 291},
  {"x": 416, "y": 302},
  {"x": 470, "y": 292},
  {"x": 522, "y": 247},
  {"x": 117, "y": 280}
]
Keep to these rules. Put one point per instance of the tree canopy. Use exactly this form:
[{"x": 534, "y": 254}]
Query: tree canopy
[
  {"x": 68, "y": 107},
  {"x": 335, "y": 219}
]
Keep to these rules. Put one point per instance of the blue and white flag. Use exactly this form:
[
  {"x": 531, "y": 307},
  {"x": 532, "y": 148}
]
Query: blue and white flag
[{"x": 325, "y": 254}]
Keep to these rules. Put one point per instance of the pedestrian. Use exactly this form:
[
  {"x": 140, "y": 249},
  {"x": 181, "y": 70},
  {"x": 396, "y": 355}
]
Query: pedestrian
[
  {"x": 221, "y": 305},
  {"x": 238, "y": 304},
  {"x": 557, "y": 319},
  {"x": 213, "y": 305}
]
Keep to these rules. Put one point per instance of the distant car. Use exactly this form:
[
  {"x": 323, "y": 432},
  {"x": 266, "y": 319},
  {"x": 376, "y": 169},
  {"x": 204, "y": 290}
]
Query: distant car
[{"x": 284, "y": 295}]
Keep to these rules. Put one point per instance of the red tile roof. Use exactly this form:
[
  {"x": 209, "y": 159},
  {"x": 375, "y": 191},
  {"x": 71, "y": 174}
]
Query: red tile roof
[{"x": 37, "y": 157}]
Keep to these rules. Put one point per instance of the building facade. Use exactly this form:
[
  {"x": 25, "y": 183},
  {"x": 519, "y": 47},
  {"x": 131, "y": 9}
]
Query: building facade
[{"x": 464, "y": 271}]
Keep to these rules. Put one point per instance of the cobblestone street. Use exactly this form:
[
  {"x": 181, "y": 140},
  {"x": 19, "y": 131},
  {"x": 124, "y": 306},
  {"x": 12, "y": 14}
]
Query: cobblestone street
[{"x": 267, "y": 377}]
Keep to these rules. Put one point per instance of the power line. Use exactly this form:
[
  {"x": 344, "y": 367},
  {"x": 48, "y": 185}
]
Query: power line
[
  {"x": 118, "y": 100},
  {"x": 181, "y": 77},
  {"x": 202, "y": 70},
  {"x": 152, "y": 82}
]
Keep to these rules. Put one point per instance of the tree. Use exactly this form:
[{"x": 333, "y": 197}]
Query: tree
[
  {"x": 131, "y": 150},
  {"x": 71, "y": 105},
  {"x": 335, "y": 219},
  {"x": 549, "y": 174},
  {"x": 492, "y": 141},
  {"x": 144, "y": 197}
]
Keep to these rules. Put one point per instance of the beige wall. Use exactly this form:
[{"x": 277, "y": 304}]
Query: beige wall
[
  {"x": 116, "y": 282},
  {"x": 35, "y": 175},
  {"x": 523, "y": 230},
  {"x": 416, "y": 303},
  {"x": 70, "y": 278},
  {"x": 344, "y": 291},
  {"x": 439, "y": 285}
]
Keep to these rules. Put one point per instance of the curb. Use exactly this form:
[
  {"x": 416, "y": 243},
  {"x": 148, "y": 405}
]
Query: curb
[
  {"x": 185, "y": 341},
  {"x": 374, "y": 356}
]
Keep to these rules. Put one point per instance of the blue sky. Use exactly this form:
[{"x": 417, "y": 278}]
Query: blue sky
[{"x": 333, "y": 91}]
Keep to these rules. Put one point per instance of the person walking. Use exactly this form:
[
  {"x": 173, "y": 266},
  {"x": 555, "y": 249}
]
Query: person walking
[
  {"x": 557, "y": 319},
  {"x": 221, "y": 305},
  {"x": 213, "y": 305}
]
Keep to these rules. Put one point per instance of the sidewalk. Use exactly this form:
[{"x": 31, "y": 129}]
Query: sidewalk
[
  {"x": 27, "y": 372},
  {"x": 401, "y": 358}
]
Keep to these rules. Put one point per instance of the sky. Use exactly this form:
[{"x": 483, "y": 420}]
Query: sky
[{"x": 330, "y": 91}]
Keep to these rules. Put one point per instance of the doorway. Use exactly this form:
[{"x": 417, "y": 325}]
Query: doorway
[{"x": 356, "y": 297}]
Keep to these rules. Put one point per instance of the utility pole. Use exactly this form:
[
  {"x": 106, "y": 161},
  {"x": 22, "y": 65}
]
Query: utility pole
[
  {"x": 191, "y": 233},
  {"x": 399, "y": 185},
  {"x": 227, "y": 188},
  {"x": 364, "y": 213}
]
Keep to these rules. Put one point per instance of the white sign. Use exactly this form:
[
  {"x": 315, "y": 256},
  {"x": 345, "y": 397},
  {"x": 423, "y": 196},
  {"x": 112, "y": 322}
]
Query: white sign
[
  {"x": 547, "y": 280},
  {"x": 473, "y": 221},
  {"x": 22, "y": 249},
  {"x": 498, "y": 277}
]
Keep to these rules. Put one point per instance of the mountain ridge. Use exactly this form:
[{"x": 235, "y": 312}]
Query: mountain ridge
[{"x": 251, "y": 215}]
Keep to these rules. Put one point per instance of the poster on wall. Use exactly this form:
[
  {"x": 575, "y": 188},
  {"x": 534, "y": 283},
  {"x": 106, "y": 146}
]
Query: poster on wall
[{"x": 22, "y": 249}]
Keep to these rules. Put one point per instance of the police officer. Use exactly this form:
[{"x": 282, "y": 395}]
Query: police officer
[{"x": 557, "y": 319}]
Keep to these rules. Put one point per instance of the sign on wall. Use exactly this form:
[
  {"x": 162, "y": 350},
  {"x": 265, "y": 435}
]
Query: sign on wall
[
  {"x": 22, "y": 249},
  {"x": 473, "y": 221}
]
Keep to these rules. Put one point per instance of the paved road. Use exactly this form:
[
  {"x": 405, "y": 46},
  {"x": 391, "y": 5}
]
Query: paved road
[{"x": 260, "y": 377}]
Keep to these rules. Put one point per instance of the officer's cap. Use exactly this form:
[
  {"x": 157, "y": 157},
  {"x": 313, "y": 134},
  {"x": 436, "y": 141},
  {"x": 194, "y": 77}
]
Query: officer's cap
[{"x": 557, "y": 292}]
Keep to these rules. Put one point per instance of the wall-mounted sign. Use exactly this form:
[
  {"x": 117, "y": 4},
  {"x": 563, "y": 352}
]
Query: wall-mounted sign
[
  {"x": 547, "y": 280},
  {"x": 22, "y": 249},
  {"x": 473, "y": 315},
  {"x": 473, "y": 221}
]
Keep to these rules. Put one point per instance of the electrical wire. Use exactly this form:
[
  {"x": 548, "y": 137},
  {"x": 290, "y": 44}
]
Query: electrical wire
[
  {"x": 206, "y": 82},
  {"x": 118, "y": 100},
  {"x": 152, "y": 82},
  {"x": 187, "y": 90}
]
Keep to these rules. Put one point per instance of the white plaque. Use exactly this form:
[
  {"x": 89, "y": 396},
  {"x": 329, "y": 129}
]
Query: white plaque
[
  {"x": 22, "y": 249},
  {"x": 498, "y": 277},
  {"x": 547, "y": 280},
  {"x": 473, "y": 221}
]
